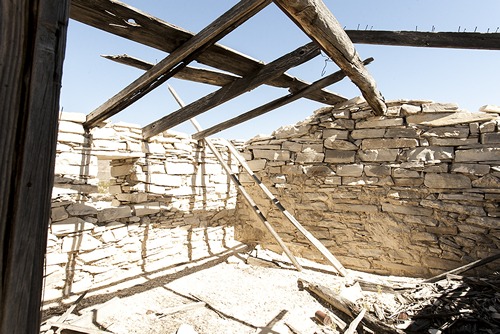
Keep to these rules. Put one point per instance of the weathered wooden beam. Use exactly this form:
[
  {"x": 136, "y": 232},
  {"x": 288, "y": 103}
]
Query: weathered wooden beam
[
  {"x": 33, "y": 35},
  {"x": 346, "y": 306},
  {"x": 234, "y": 89},
  {"x": 455, "y": 40},
  {"x": 316, "y": 20},
  {"x": 278, "y": 103},
  {"x": 177, "y": 60},
  {"x": 200, "y": 75},
  {"x": 123, "y": 20}
]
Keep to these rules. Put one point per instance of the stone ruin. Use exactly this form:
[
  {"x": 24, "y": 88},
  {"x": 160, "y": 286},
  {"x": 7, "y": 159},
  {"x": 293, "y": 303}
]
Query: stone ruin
[{"x": 415, "y": 192}]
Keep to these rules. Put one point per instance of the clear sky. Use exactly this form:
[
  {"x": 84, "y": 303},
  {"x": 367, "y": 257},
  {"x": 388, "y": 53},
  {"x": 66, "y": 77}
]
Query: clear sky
[{"x": 470, "y": 78}]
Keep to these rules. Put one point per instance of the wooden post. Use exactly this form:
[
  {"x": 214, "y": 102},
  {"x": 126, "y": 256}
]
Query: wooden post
[
  {"x": 33, "y": 38},
  {"x": 316, "y": 20}
]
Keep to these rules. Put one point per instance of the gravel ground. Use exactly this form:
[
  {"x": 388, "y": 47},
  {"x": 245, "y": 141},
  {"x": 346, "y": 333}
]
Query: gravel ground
[{"x": 239, "y": 298}]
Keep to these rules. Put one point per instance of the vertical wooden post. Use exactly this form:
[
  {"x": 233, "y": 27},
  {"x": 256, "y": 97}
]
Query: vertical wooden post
[{"x": 33, "y": 41}]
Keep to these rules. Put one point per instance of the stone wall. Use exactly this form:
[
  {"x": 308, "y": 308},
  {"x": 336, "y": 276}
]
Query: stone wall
[
  {"x": 168, "y": 203},
  {"x": 415, "y": 192}
]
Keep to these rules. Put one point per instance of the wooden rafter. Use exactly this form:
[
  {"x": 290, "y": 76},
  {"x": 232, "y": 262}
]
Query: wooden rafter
[
  {"x": 123, "y": 20},
  {"x": 316, "y": 20},
  {"x": 177, "y": 60},
  {"x": 278, "y": 103},
  {"x": 456, "y": 40},
  {"x": 234, "y": 89},
  {"x": 200, "y": 75}
]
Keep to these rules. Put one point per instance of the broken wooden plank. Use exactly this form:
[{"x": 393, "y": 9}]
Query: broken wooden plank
[
  {"x": 180, "y": 308},
  {"x": 242, "y": 190},
  {"x": 354, "y": 324},
  {"x": 200, "y": 75},
  {"x": 234, "y": 89},
  {"x": 278, "y": 103},
  {"x": 77, "y": 328},
  {"x": 316, "y": 20},
  {"x": 464, "y": 268},
  {"x": 347, "y": 307},
  {"x": 454, "y": 40},
  {"x": 126, "y": 21},
  {"x": 178, "y": 59}
]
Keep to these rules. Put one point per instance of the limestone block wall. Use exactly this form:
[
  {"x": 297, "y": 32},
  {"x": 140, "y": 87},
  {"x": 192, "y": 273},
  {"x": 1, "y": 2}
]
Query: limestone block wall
[
  {"x": 415, "y": 192},
  {"x": 168, "y": 202}
]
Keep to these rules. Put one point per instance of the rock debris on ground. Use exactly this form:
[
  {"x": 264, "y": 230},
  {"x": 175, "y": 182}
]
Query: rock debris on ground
[{"x": 260, "y": 293}]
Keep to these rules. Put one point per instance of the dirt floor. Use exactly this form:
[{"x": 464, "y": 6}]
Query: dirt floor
[{"x": 235, "y": 294}]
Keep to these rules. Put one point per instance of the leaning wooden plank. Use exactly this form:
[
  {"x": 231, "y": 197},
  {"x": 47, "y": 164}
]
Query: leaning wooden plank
[
  {"x": 123, "y": 20},
  {"x": 70, "y": 310},
  {"x": 33, "y": 43},
  {"x": 464, "y": 268},
  {"x": 234, "y": 89},
  {"x": 178, "y": 59},
  {"x": 200, "y": 75},
  {"x": 278, "y": 103},
  {"x": 77, "y": 328},
  {"x": 241, "y": 189},
  {"x": 454, "y": 40},
  {"x": 347, "y": 307},
  {"x": 311, "y": 238},
  {"x": 316, "y": 20}
]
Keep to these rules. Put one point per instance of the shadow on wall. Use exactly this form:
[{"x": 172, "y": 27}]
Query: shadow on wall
[{"x": 169, "y": 204}]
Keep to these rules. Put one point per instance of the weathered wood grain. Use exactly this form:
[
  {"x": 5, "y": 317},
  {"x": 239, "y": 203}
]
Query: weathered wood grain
[
  {"x": 125, "y": 21},
  {"x": 177, "y": 60},
  {"x": 454, "y": 40},
  {"x": 277, "y": 103},
  {"x": 200, "y": 75},
  {"x": 234, "y": 89},
  {"x": 316, "y": 20},
  {"x": 33, "y": 37}
]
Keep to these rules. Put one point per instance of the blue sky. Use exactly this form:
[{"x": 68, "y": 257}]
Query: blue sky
[{"x": 470, "y": 78}]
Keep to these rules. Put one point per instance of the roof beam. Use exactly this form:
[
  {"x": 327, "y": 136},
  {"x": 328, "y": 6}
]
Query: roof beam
[
  {"x": 316, "y": 20},
  {"x": 234, "y": 89},
  {"x": 200, "y": 75},
  {"x": 177, "y": 60},
  {"x": 455, "y": 40},
  {"x": 123, "y": 20},
  {"x": 275, "y": 104}
]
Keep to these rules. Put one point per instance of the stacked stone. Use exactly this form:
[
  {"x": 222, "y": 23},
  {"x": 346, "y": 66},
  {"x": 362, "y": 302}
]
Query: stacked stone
[
  {"x": 91, "y": 248},
  {"x": 177, "y": 173},
  {"x": 413, "y": 192},
  {"x": 76, "y": 166},
  {"x": 171, "y": 203}
]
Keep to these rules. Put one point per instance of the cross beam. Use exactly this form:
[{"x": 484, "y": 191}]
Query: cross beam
[
  {"x": 316, "y": 20},
  {"x": 234, "y": 89},
  {"x": 177, "y": 60}
]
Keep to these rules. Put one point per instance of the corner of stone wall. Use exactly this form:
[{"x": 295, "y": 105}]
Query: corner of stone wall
[
  {"x": 414, "y": 192},
  {"x": 167, "y": 202}
]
